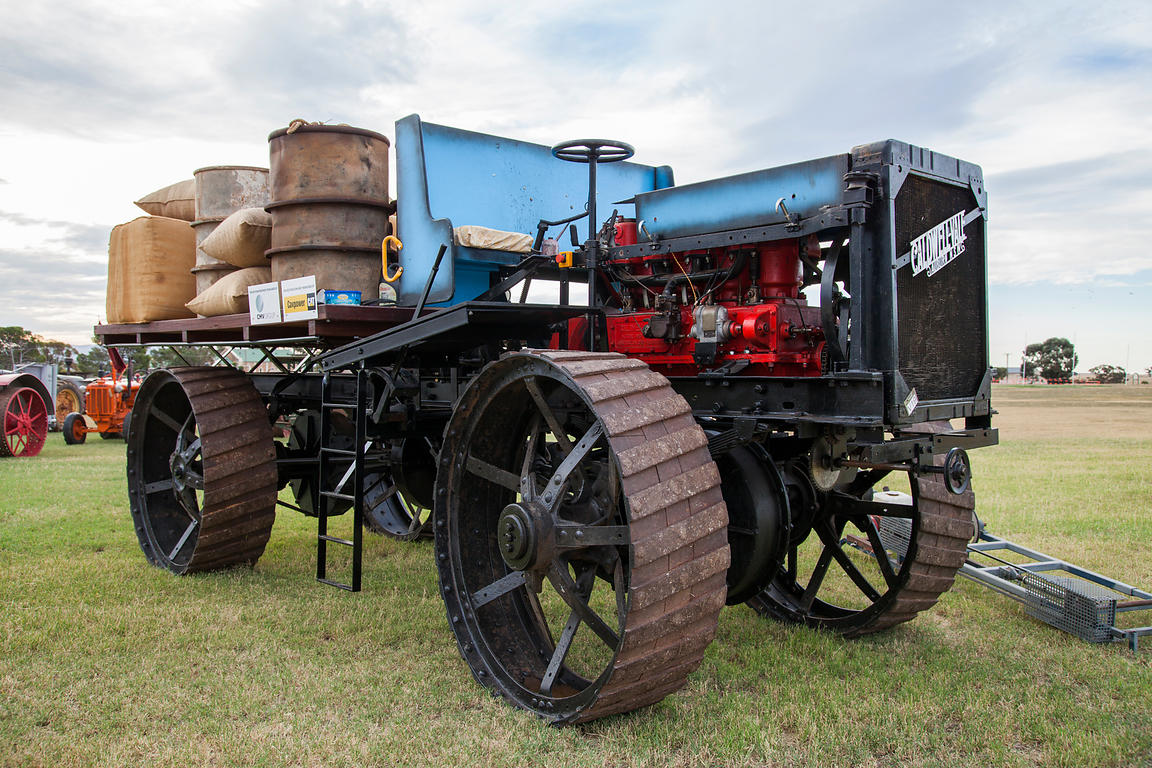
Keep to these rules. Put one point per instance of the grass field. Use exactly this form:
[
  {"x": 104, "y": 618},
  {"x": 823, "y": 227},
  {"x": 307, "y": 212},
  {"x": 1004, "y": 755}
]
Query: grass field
[{"x": 105, "y": 660}]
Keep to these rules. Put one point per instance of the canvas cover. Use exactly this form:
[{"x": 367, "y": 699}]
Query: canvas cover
[
  {"x": 241, "y": 239},
  {"x": 229, "y": 294},
  {"x": 149, "y": 260},
  {"x": 472, "y": 236},
  {"x": 175, "y": 201}
]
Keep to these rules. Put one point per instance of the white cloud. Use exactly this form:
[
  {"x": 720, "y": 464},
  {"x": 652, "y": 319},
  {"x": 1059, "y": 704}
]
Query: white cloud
[{"x": 107, "y": 101}]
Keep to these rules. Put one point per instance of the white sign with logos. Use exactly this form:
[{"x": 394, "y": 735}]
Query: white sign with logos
[
  {"x": 264, "y": 303},
  {"x": 298, "y": 298}
]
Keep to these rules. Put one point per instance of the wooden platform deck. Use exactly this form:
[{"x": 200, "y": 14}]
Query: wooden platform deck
[{"x": 335, "y": 325}]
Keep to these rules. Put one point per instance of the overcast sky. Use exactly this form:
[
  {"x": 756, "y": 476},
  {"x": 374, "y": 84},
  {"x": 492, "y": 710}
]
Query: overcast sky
[{"x": 104, "y": 102}]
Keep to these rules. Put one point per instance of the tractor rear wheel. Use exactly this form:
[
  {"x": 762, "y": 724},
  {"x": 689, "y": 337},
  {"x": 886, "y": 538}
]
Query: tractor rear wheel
[
  {"x": 202, "y": 475},
  {"x": 845, "y": 570},
  {"x": 580, "y": 534},
  {"x": 23, "y": 422},
  {"x": 388, "y": 511},
  {"x": 69, "y": 399},
  {"x": 75, "y": 430}
]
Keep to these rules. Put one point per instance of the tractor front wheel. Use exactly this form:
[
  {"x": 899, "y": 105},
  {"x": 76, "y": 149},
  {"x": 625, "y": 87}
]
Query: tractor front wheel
[{"x": 75, "y": 431}]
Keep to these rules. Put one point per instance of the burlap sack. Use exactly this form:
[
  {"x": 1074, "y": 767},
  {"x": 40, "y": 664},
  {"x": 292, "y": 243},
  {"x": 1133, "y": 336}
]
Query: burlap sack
[
  {"x": 175, "y": 201},
  {"x": 241, "y": 239},
  {"x": 149, "y": 260},
  {"x": 229, "y": 294}
]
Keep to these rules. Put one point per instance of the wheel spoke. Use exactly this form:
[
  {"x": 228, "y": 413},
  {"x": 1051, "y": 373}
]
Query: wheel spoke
[
  {"x": 546, "y": 411},
  {"x": 584, "y": 583},
  {"x": 183, "y": 540},
  {"x": 194, "y": 479},
  {"x": 498, "y": 588},
  {"x": 188, "y": 502},
  {"x": 190, "y": 452},
  {"x": 832, "y": 544},
  {"x": 492, "y": 473},
  {"x": 527, "y": 483},
  {"x": 166, "y": 420},
  {"x": 816, "y": 579},
  {"x": 571, "y": 461},
  {"x": 159, "y": 485},
  {"x": 572, "y": 536},
  {"x": 568, "y": 590},
  {"x": 869, "y": 528},
  {"x": 560, "y": 653}
]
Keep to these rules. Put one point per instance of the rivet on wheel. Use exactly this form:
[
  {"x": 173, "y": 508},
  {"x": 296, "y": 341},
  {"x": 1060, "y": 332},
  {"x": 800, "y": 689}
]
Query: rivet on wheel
[
  {"x": 442, "y": 556},
  {"x": 455, "y": 619}
]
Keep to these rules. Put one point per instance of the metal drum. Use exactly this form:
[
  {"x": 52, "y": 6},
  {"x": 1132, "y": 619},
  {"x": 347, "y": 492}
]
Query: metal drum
[
  {"x": 221, "y": 190},
  {"x": 329, "y": 206}
]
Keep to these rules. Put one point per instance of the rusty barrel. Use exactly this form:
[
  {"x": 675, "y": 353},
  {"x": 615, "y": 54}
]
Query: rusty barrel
[
  {"x": 329, "y": 206},
  {"x": 221, "y": 190}
]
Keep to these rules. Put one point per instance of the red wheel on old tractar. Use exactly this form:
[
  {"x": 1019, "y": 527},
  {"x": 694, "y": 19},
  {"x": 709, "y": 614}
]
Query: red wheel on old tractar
[{"x": 25, "y": 422}]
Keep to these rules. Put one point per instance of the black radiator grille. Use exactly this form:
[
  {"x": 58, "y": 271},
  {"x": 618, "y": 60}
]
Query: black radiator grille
[{"x": 941, "y": 318}]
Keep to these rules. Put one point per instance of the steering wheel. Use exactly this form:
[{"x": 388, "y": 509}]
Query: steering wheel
[{"x": 593, "y": 150}]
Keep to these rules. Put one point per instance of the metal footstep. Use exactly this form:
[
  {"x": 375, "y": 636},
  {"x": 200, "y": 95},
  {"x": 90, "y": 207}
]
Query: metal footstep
[{"x": 1070, "y": 598}]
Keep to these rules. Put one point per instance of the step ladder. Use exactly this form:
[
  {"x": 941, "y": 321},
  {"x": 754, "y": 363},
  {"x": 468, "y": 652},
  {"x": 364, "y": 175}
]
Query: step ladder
[{"x": 347, "y": 467}]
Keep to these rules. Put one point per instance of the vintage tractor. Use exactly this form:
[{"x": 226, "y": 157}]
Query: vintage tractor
[
  {"x": 107, "y": 405},
  {"x": 753, "y": 356},
  {"x": 23, "y": 414}
]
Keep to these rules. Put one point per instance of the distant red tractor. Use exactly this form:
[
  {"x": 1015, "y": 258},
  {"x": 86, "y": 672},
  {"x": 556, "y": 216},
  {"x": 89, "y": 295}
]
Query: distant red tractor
[
  {"x": 107, "y": 405},
  {"x": 23, "y": 414}
]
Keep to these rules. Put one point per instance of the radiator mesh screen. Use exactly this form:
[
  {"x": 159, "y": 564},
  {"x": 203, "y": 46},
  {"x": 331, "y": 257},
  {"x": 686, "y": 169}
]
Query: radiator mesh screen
[{"x": 941, "y": 318}]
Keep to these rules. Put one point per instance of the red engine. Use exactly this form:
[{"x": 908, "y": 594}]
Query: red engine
[{"x": 738, "y": 306}]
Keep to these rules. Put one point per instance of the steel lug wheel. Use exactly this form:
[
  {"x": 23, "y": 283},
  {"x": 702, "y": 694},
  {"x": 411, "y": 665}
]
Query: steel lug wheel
[
  {"x": 865, "y": 564},
  {"x": 23, "y": 422},
  {"x": 201, "y": 470},
  {"x": 580, "y": 534}
]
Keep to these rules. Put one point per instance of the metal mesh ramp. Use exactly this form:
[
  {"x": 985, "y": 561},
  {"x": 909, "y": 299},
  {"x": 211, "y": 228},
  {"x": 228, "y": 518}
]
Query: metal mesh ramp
[{"x": 1070, "y": 598}]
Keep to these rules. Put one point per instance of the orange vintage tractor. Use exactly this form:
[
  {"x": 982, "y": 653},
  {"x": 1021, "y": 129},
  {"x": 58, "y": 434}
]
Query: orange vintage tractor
[{"x": 107, "y": 404}]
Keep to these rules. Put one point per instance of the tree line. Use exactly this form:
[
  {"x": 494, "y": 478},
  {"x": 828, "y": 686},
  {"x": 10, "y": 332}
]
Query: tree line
[{"x": 1055, "y": 360}]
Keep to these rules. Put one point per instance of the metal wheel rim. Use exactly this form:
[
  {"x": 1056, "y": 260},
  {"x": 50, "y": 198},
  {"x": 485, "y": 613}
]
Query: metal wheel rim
[
  {"x": 67, "y": 401},
  {"x": 202, "y": 476},
  {"x": 171, "y": 513},
  {"x": 788, "y": 597},
  {"x": 25, "y": 422},
  {"x": 388, "y": 511},
  {"x": 479, "y": 571}
]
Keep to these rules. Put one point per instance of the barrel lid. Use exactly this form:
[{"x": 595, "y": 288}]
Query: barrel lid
[
  {"x": 307, "y": 128},
  {"x": 229, "y": 168}
]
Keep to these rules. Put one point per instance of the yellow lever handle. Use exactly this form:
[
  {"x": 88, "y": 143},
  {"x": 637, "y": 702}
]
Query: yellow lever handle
[{"x": 384, "y": 258}]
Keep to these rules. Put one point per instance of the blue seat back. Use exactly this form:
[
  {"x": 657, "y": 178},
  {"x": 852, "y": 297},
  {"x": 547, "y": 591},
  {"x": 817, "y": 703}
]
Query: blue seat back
[{"x": 446, "y": 177}]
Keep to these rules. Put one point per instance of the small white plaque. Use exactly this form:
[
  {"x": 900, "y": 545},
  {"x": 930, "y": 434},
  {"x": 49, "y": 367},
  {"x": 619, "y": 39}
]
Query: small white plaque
[
  {"x": 298, "y": 298},
  {"x": 264, "y": 303}
]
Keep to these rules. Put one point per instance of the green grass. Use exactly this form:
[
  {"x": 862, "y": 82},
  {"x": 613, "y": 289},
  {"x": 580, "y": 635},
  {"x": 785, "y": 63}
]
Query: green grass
[{"x": 105, "y": 660}]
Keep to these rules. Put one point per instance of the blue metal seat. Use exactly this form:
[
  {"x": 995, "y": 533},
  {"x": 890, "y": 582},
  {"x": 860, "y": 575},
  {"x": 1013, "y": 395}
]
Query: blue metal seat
[{"x": 446, "y": 177}]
